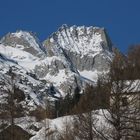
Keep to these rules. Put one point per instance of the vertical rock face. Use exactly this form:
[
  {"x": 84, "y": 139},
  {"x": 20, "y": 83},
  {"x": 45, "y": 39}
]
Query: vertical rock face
[
  {"x": 69, "y": 58},
  {"x": 87, "y": 48},
  {"x": 82, "y": 51}
]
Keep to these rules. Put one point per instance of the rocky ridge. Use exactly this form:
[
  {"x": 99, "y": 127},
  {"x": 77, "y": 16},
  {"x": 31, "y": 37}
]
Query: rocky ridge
[{"x": 69, "y": 58}]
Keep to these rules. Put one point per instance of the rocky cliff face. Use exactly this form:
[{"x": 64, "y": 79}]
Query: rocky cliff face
[
  {"x": 69, "y": 58},
  {"x": 87, "y": 48}
]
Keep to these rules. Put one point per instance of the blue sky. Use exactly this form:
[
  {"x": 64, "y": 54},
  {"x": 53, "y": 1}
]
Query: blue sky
[{"x": 121, "y": 18}]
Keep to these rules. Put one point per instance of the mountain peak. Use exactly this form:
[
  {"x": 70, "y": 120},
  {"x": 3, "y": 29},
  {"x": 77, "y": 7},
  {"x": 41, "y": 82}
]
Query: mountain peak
[
  {"x": 81, "y": 39},
  {"x": 23, "y": 34},
  {"x": 64, "y": 26},
  {"x": 23, "y": 40},
  {"x": 74, "y": 56}
]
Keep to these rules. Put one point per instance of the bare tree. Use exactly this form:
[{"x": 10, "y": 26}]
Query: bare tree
[
  {"x": 47, "y": 117},
  {"x": 120, "y": 104},
  {"x": 85, "y": 122},
  {"x": 124, "y": 115},
  {"x": 67, "y": 132},
  {"x": 7, "y": 86}
]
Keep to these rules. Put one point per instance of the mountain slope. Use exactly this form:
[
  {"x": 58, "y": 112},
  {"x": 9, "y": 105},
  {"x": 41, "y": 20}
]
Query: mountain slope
[
  {"x": 84, "y": 46},
  {"x": 69, "y": 59}
]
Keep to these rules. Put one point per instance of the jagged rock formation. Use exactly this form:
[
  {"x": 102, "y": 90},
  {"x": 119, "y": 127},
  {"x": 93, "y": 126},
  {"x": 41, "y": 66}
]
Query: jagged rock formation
[
  {"x": 87, "y": 48},
  {"x": 69, "y": 58}
]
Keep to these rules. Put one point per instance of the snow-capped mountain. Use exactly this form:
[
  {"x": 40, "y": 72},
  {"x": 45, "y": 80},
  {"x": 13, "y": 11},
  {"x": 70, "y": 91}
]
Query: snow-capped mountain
[
  {"x": 67, "y": 60},
  {"x": 87, "y": 49}
]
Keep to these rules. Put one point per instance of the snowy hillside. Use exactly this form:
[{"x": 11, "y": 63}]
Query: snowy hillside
[
  {"x": 55, "y": 127},
  {"x": 68, "y": 59}
]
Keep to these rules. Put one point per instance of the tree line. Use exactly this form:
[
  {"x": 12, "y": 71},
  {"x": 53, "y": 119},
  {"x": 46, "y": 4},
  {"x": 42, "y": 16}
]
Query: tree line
[{"x": 116, "y": 97}]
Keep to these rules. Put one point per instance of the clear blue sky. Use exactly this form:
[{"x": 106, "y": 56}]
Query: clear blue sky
[{"x": 121, "y": 18}]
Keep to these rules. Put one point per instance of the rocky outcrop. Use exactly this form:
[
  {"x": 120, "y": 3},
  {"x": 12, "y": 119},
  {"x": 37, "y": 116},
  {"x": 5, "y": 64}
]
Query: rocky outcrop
[
  {"x": 85, "y": 47},
  {"x": 27, "y": 41},
  {"x": 64, "y": 60}
]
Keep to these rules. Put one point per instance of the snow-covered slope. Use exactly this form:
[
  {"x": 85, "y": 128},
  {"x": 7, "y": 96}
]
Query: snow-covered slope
[
  {"x": 29, "y": 92},
  {"x": 69, "y": 58},
  {"x": 23, "y": 40},
  {"x": 54, "y": 127},
  {"x": 87, "y": 48},
  {"x": 81, "y": 40}
]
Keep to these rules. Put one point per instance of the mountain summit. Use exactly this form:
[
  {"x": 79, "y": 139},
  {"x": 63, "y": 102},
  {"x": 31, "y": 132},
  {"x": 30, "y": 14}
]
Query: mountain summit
[
  {"x": 86, "y": 47},
  {"x": 82, "y": 40},
  {"x": 69, "y": 59}
]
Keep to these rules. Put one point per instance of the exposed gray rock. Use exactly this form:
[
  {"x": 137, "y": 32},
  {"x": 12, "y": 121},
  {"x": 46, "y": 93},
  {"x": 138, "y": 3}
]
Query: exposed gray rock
[
  {"x": 71, "y": 85},
  {"x": 87, "y": 55},
  {"x": 70, "y": 50},
  {"x": 24, "y": 40}
]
